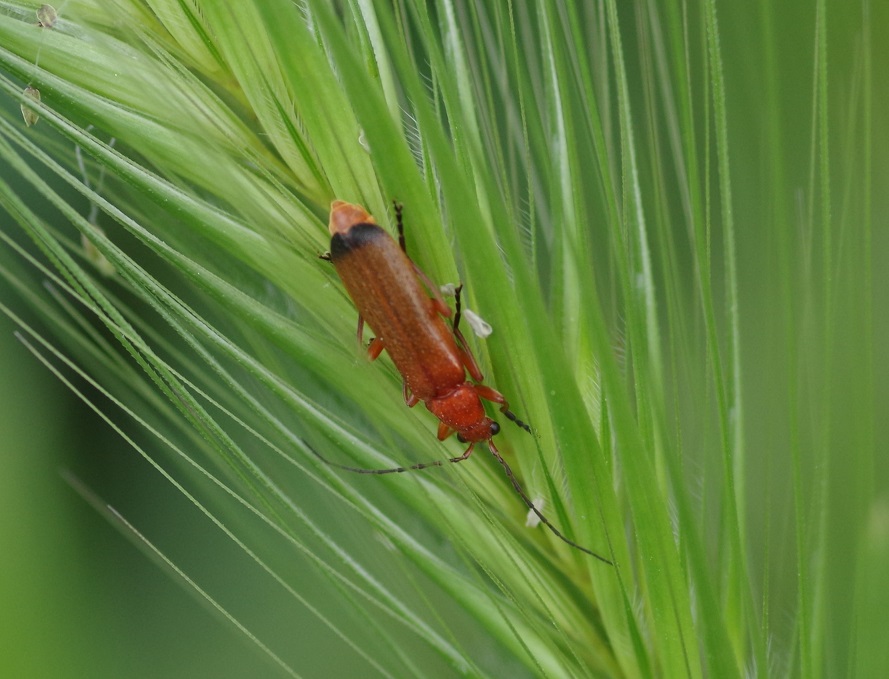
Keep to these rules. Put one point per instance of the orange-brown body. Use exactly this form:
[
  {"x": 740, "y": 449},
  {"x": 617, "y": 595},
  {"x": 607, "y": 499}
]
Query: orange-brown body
[
  {"x": 430, "y": 353},
  {"x": 386, "y": 288}
]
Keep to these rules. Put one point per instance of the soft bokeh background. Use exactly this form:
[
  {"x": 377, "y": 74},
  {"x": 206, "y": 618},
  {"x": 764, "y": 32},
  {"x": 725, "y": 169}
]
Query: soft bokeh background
[{"x": 77, "y": 600}]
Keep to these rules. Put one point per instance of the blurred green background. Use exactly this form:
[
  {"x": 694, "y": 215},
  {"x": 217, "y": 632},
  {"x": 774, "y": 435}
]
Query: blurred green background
[{"x": 77, "y": 600}]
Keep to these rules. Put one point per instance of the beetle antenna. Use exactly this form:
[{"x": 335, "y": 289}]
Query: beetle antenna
[
  {"x": 512, "y": 416},
  {"x": 543, "y": 519},
  {"x": 461, "y": 458},
  {"x": 393, "y": 470},
  {"x": 399, "y": 221}
]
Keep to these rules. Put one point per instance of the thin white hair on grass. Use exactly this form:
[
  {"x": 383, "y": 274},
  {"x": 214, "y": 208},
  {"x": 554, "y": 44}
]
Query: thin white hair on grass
[
  {"x": 564, "y": 488},
  {"x": 673, "y": 515},
  {"x": 619, "y": 342},
  {"x": 591, "y": 395},
  {"x": 385, "y": 540},
  {"x": 303, "y": 8},
  {"x": 523, "y": 219},
  {"x": 640, "y": 615},
  {"x": 778, "y": 663},
  {"x": 694, "y": 479},
  {"x": 750, "y": 670},
  {"x": 92, "y": 217},
  {"x": 98, "y": 260},
  {"x": 781, "y": 661},
  {"x": 560, "y": 479},
  {"x": 426, "y": 78},
  {"x": 412, "y": 135},
  {"x": 506, "y": 265}
]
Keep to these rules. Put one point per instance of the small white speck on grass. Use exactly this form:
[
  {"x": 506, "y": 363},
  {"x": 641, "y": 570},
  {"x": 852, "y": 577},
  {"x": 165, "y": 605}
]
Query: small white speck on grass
[
  {"x": 479, "y": 325},
  {"x": 532, "y": 520}
]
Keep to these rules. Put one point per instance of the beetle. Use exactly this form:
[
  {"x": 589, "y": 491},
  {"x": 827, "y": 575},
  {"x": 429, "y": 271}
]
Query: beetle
[{"x": 411, "y": 324}]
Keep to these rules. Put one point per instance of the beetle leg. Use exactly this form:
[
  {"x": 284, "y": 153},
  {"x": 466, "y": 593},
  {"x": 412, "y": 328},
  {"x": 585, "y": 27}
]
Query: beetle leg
[
  {"x": 466, "y": 356},
  {"x": 400, "y": 224},
  {"x": 375, "y": 348},
  {"x": 409, "y": 399},
  {"x": 465, "y": 454},
  {"x": 495, "y": 396},
  {"x": 438, "y": 303},
  {"x": 492, "y": 395},
  {"x": 468, "y": 360},
  {"x": 457, "y": 292},
  {"x": 444, "y": 431}
]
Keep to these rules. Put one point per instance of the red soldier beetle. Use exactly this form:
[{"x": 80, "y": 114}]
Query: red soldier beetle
[{"x": 432, "y": 357}]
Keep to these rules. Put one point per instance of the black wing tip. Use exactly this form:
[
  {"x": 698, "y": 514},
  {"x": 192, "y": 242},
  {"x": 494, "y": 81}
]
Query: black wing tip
[{"x": 357, "y": 237}]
